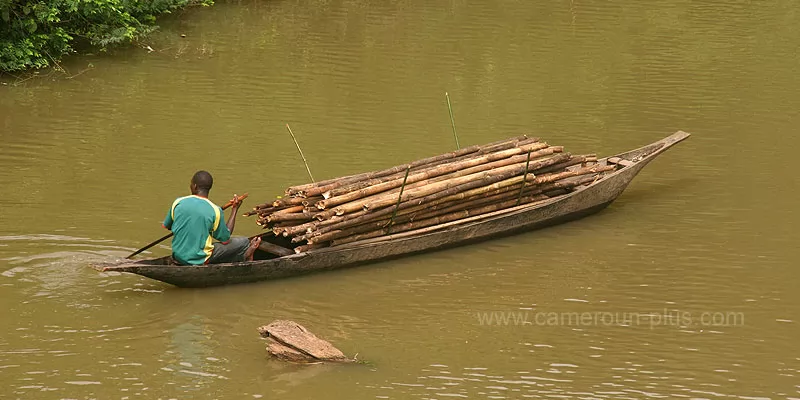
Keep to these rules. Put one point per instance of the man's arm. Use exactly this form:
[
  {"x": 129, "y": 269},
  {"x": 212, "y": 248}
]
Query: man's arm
[
  {"x": 223, "y": 232},
  {"x": 234, "y": 210},
  {"x": 168, "y": 220},
  {"x": 232, "y": 218}
]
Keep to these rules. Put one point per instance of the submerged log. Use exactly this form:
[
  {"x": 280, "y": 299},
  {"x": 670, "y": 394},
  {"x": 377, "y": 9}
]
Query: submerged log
[
  {"x": 286, "y": 353},
  {"x": 291, "y": 341}
]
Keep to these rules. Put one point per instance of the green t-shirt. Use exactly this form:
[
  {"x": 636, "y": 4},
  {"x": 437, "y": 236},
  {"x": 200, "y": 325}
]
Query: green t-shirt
[{"x": 195, "y": 221}]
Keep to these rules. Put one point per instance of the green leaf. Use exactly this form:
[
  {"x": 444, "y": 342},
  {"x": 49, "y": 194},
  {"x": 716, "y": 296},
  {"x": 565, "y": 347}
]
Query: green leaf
[
  {"x": 6, "y": 17},
  {"x": 26, "y": 9}
]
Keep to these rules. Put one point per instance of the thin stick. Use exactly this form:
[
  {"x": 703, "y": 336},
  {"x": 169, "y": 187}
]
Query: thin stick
[
  {"x": 301, "y": 153},
  {"x": 452, "y": 120},
  {"x": 525, "y": 176},
  {"x": 396, "y": 206}
]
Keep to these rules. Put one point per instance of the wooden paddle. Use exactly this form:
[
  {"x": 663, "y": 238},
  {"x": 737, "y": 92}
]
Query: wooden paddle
[{"x": 225, "y": 207}]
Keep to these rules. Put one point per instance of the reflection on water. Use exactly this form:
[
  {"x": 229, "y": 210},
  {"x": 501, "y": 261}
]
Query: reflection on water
[
  {"x": 89, "y": 165},
  {"x": 629, "y": 381},
  {"x": 191, "y": 356}
]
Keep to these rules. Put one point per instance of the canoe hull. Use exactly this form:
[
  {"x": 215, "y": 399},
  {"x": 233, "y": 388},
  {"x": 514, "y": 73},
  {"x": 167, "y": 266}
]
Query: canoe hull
[{"x": 584, "y": 201}]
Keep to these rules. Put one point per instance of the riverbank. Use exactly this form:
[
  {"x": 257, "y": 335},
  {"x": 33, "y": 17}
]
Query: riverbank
[{"x": 38, "y": 34}]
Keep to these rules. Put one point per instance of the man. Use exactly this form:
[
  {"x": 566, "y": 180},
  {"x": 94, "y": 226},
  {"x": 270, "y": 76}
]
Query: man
[{"x": 195, "y": 221}]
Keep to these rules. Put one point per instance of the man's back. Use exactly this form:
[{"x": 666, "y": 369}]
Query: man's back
[{"x": 195, "y": 221}]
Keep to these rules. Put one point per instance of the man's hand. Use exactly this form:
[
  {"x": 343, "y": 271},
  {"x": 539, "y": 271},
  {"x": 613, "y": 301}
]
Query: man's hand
[{"x": 236, "y": 201}]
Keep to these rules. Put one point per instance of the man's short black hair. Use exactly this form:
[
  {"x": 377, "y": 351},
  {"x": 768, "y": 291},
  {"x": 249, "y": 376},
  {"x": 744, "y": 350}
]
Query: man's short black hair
[{"x": 203, "y": 180}]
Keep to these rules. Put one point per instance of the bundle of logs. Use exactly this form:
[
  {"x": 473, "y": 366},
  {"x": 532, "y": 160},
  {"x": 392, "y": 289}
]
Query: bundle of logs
[{"x": 468, "y": 182}]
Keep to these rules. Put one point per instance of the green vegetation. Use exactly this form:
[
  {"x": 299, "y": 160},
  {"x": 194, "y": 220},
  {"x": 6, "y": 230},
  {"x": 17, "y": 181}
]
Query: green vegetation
[{"x": 36, "y": 33}]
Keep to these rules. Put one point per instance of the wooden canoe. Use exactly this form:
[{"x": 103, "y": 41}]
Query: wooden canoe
[{"x": 583, "y": 201}]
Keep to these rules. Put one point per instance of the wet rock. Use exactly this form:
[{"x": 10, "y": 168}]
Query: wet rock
[{"x": 290, "y": 341}]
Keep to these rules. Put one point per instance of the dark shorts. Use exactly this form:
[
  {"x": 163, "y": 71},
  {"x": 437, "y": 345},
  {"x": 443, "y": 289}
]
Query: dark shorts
[{"x": 232, "y": 251}]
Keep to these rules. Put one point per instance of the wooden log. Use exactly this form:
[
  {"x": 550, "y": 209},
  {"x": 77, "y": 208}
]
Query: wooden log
[
  {"x": 474, "y": 202},
  {"x": 372, "y": 182},
  {"x": 266, "y": 205},
  {"x": 283, "y": 224},
  {"x": 419, "y": 164},
  {"x": 292, "y": 209},
  {"x": 286, "y": 353},
  {"x": 427, "y": 211},
  {"x": 271, "y": 248},
  {"x": 298, "y": 213},
  {"x": 301, "y": 216},
  {"x": 484, "y": 167},
  {"x": 575, "y": 181},
  {"x": 441, "y": 219},
  {"x": 487, "y": 176},
  {"x": 487, "y": 181},
  {"x": 315, "y": 229},
  {"x": 535, "y": 155},
  {"x": 426, "y": 168},
  {"x": 430, "y": 173},
  {"x": 471, "y": 189},
  {"x": 312, "y": 230},
  {"x": 379, "y": 200},
  {"x": 399, "y": 168},
  {"x": 306, "y": 247},
  {"x": 419, "y": 213},
  {"x": 575, "y": 160},
  {"x": 467, "y": 171},
  {"x": 310, "y": 226},
  {"x": 261, "y": 208},
  {"x": 474, "y": 177},
  {"x": 557, "y": 176},
  {"x": 457, "y": 199},
  {"x": 299, "y": 339},
  {"x": 322, "y": 186},
  {"x": 362, "y": 217},
  {"x": 289, "y": 202}
]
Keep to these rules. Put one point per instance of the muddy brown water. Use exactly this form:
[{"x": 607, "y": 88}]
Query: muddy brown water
[{"x": 686, "y": 286}]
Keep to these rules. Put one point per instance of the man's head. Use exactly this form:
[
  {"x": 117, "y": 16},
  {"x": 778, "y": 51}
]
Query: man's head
[{"x": 201, "y": 183}]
